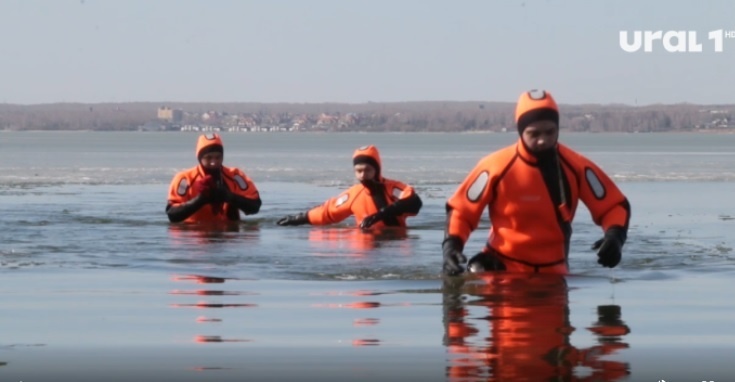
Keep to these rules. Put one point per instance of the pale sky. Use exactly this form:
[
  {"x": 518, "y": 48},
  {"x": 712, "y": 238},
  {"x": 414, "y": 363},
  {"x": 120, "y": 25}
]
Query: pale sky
[{"x": 356, "y": 51}]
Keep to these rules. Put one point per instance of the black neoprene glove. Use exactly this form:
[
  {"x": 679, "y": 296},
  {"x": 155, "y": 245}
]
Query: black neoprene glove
[
  {"x": 371, "y": 219},
  {"x": 385, "y": 212},
  {"x": 297, "y": 219},
  {"x": 609, "y": 248},
  {"x": 453, "y": 257}
]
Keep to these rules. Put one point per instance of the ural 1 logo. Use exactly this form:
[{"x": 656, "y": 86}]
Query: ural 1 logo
[{"x": 674, "y": 41}]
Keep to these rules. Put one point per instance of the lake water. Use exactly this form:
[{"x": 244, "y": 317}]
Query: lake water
[{"x": 95, "y": 284}]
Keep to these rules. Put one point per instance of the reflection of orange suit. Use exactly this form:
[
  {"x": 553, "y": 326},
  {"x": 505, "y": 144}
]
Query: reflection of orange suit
[
  {"x": 347, "y": 241},
  {"x": 529, "y": 329},
  {"x": 362, "y": 201},
  {"x": 184, "y": 235},
  {"x": 529, "y": 231},
  {"x": 352, "y": 242}
]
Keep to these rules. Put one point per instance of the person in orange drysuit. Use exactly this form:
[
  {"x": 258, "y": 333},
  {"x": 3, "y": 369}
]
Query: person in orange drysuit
[
  {"x": 374, "y": 202},
  {"x": 211, "y": 192},
  {"x": 531, "y": 190}
]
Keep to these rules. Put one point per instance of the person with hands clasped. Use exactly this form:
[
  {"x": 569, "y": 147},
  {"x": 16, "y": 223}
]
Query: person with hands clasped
[
  {"x": 531, "y": 190},
  {"x": 374, "y": 202},
  {"x": 211, "y": 192}
]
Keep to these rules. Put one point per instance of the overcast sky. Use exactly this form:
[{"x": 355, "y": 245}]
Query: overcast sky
[{"x": 355, "y": 51}]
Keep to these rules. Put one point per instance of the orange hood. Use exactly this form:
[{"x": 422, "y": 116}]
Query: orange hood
[
  {"x": 210, "y": 142},
  {"x": 535, "y": 105},
  {"x": 370, "y": 155}
]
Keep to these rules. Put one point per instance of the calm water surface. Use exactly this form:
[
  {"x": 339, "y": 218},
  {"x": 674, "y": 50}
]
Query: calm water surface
[{"x": 96, "y": 284}]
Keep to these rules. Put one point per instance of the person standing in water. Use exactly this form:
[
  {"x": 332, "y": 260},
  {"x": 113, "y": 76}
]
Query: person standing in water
[
  {"x": 210, "y": 191},
  {"x": 531, "y": 190},
  {"x": 374, "y": 202}
]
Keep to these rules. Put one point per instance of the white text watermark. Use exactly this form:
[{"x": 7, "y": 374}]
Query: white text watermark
[{"x": 678, "y": 41}]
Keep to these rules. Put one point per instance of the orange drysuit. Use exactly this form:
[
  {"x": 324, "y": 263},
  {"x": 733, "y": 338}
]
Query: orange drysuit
[
  {"x": 529, "y": 231},
  {"x": 181, "y": 189},
  {"x": 363, "y": 200}
]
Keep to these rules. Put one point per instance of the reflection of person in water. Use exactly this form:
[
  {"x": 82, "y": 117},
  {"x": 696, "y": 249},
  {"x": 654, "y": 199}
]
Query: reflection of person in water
[
  {"x": 215, "y": 231},
  {"x": 182, "y": 236},
  {"x": 351, "y": 242},
  {"x": 529, "y": 331}
]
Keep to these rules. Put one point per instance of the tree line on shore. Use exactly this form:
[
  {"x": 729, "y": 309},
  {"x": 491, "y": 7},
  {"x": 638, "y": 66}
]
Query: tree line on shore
[{"x": 429, "y": 116}]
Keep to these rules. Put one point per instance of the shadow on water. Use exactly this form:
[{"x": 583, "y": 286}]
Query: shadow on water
[{"x": 502, "y": 327}]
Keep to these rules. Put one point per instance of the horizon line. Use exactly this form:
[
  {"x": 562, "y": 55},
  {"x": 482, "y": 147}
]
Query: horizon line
[{"x": 163, "y": 103}]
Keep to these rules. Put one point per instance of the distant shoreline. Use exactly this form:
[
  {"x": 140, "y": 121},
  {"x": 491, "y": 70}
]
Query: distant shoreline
[
  {"x": 702, "y": 131},
  {"x": 434, "y": 116}
]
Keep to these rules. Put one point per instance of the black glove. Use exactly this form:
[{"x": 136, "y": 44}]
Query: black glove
[
  {"x": 387, "y": 212},
  {"x": 610, "y": 247},
  {"x": 297, "y": 219},
  {"x": 453, "y": 257},
  {"x": 372, "y": 219}
]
